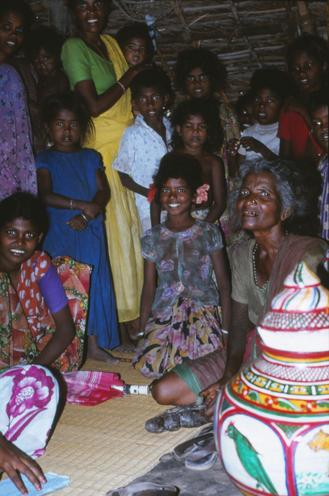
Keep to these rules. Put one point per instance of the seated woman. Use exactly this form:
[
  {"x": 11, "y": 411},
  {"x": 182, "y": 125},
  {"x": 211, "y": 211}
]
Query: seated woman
[
  {"x": 269, "y": 204},
  {"x": 25, "y": 426},
  {"x": 36, "y": 324}
]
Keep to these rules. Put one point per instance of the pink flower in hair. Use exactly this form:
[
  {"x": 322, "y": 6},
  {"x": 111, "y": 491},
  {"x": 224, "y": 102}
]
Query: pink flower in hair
[
  {"x": 202, "y": 193},
  {"x": 152, "y": 193}
]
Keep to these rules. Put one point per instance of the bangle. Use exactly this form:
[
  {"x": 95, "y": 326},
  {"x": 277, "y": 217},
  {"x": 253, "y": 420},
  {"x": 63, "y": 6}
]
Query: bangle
[
  {"x": 122, "y": 86},
  {"x": 224, "y": 331},
  {"x": 85, "y": 218},
  {"x": 71, "y": 204}
]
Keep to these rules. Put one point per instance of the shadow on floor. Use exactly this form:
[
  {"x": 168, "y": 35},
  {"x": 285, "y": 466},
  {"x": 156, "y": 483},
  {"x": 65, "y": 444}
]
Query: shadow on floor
[{"x": 212, "y": 482}]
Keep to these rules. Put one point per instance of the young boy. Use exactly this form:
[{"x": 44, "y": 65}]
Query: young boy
[
  {"x": 135, "y": 43},
  {"x": 145, "y": 142},
  {"x": 261, "y": 140},
  {"x": 319, "y": 108}
]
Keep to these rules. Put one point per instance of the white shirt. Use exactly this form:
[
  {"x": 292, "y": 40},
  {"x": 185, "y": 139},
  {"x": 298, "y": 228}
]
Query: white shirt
[
  {"x": 266, "y": 134},
  {"x": 141, "y": 149}
]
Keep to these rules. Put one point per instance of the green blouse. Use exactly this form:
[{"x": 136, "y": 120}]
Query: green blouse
[{"x": 81, "y": 63}]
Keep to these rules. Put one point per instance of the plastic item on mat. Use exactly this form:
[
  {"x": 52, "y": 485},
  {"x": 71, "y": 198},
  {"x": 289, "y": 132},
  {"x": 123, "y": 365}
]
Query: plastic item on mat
[
  {"x": 54, "y": 483},
  {"x": 141, "y": 389}
]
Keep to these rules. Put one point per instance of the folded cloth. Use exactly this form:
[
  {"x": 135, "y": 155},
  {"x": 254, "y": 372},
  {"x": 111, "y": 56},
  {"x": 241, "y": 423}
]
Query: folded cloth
[{"x": 54, "y": 483}]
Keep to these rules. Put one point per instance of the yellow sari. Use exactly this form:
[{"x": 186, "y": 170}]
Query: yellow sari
[{"x": 122, "y": 222}]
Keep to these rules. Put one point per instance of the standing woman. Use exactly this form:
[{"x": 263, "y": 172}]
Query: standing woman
[
  {"x": 16, "y": 156},
  {"x": 98, "y": 71}
]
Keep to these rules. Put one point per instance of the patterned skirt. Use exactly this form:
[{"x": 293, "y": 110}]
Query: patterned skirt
[{"x": 189, "y": 332}]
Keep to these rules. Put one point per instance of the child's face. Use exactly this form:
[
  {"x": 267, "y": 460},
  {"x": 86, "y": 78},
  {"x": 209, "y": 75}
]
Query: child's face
[
  {"x": 197, "y": 84},
  {"x": 11, "y": 34},
  {"x": 176, "y": 196},
  {"x": 193, "y": 132},
  {"x": 135, "y": 51},
  {"x": 150, "y": 103},
  {"x": 307, "y": 72},
  {"x": 266, "y": 106},
  {"x": 65, "y": 131},
  {"x": 18, "y": 241},
  {"x": 320, "y": 126},
  {"x": 45, "y": 63}
]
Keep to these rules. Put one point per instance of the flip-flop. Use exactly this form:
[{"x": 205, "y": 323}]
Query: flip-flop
[
  {"x": 145, "y": 489},
  {"x": 205, "y": 461},
  {"x": 186, "y": 448}
]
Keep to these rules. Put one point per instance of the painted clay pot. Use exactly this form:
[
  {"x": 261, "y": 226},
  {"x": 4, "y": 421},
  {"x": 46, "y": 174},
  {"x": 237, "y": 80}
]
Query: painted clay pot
[{"x": 272, "y": 419}]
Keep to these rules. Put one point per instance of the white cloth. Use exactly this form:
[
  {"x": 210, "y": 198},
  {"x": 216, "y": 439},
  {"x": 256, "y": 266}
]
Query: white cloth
[
  {"x": 266, "y": 134},
  {"x": 141, "y": 149}
]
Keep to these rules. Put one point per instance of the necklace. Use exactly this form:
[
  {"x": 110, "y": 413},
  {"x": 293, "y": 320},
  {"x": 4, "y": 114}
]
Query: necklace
[{"x": 254, "y": 270}]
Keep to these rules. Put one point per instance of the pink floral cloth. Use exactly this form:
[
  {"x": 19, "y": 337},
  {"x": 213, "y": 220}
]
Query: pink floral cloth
[{"x": 29, "y": 398}]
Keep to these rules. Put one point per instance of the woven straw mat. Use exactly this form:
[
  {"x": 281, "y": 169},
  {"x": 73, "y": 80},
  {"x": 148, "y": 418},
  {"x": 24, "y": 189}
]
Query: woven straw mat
[{"x": 106, "y": 446}]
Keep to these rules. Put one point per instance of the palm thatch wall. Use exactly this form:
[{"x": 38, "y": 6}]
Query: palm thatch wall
[{"x": 244, "y": 34}]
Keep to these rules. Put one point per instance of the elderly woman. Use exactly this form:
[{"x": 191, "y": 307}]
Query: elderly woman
[
  {"x": 267, "y": 204},
  {"x": 98, "y": 71}
]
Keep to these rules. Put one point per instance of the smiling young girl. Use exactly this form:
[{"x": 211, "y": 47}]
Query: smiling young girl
[
  {"x": 179, "y": 315},
  {"x": 73, "y": 184},
  {"x": 35, "y": 319}
]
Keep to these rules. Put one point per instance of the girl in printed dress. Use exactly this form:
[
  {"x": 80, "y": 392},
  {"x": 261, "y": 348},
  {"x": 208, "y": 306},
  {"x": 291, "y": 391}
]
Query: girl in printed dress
[{"x": 179, "y": 315}]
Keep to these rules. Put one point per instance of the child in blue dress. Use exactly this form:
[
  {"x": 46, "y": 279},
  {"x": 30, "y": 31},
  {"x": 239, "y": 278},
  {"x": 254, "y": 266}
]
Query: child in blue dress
[
  {"x": 179, "y": 315},
  {"x": 73, "y": 184}
]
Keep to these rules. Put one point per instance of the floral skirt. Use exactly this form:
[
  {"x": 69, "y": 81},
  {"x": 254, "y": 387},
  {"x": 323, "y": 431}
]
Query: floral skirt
[{"x": 189, "y": 332}]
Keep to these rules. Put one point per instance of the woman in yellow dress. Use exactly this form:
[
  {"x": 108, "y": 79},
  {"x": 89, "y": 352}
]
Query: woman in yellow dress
[{"x": 98, "y": 71}]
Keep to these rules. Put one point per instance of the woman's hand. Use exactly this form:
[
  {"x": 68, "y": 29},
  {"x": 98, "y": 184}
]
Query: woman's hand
[
  {"x": 14, "y": 462},
  {"x": 78, "y": 223},
  {"x": 91, "y": 210}
]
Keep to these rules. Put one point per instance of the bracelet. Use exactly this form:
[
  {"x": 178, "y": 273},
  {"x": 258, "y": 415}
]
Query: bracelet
[
  {"x": 122, "y": 86},
  {"x": 71, "y": 204},
  {"x": 85, "y": 218},
  {"x": 224, "y": 331}
]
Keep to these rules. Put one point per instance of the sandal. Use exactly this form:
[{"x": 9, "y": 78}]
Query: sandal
[
  {"x": 174, "y": 418},
  {"x": 203, "y": 460},
  {"x": 193, "y": 445},
  {"x": 145, "y": 489}
]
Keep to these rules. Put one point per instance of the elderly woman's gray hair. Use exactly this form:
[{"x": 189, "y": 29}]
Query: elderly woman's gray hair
[{"x": 290, "y": 185}]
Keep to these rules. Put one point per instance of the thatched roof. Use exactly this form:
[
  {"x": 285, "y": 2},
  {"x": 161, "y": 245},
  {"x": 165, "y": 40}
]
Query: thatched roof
[{"x": 244, "y": 34}]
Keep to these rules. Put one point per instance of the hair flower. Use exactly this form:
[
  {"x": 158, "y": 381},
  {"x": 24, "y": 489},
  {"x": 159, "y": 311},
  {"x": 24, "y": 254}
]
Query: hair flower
[
  {"x": 152, "y": 192},
  {"x": 202, "y": 193}
]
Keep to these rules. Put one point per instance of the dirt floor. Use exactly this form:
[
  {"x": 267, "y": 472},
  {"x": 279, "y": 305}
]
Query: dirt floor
[{"x": 212, "y": 482}]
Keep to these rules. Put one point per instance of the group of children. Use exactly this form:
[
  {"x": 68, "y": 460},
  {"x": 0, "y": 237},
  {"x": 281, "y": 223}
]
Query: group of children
[
  {"x": 179, "y": 161},
  {"x": 178, "y": 169}
]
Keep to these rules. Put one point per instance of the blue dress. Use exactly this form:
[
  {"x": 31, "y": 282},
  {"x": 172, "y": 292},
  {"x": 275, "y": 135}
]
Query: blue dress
[{"x": 74, "y": 175}]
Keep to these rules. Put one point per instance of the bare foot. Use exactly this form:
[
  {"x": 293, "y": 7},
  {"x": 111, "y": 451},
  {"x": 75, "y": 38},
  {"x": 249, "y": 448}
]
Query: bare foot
[
  {"x": 133, "y": 328},
  {"x": 97, "y": 353}
]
